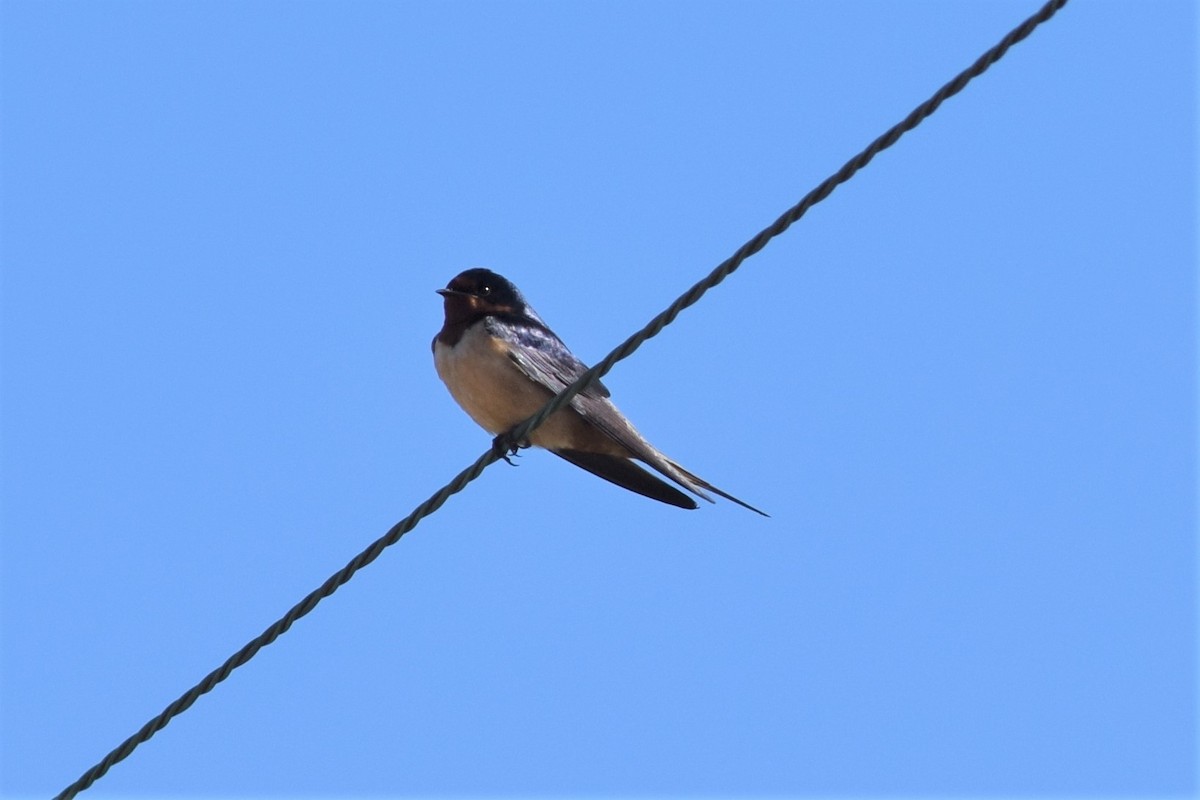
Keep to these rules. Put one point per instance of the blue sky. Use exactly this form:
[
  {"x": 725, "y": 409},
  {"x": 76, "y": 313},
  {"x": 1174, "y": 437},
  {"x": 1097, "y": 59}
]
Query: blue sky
[{"x": 964, "y": 387}]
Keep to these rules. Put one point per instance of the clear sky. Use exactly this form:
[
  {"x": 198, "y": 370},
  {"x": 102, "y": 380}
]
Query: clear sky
[{"x": 964, "y": 387}]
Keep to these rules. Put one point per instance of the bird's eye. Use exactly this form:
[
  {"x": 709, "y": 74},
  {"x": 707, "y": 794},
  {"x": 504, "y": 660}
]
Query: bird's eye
[{"x": 485, "y": 290}]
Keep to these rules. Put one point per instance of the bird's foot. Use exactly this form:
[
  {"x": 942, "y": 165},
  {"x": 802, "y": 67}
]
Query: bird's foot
[{"x": 505, "y": 447}]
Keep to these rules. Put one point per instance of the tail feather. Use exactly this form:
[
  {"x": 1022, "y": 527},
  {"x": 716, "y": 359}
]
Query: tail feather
[
  {"x": 697, "y": 481},
  {"x": 628, "y": 475}
]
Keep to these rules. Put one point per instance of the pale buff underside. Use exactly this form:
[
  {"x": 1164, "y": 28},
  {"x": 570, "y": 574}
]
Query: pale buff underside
[{"x": 497, "y": 395}]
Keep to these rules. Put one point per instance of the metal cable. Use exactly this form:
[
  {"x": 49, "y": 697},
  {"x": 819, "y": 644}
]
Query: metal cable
[{"x": 522, "y": 431}]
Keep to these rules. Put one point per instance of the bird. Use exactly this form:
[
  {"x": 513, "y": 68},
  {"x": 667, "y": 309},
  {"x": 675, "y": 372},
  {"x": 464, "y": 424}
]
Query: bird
[{"x": 502, "y": 362}]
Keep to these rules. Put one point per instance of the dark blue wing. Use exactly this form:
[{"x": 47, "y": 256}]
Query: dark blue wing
[{"x": 542, "y": 356}]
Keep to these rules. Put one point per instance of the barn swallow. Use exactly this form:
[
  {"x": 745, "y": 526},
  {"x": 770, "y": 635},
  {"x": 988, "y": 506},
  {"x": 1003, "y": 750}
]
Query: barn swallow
[{"x": 502, "y": 363}]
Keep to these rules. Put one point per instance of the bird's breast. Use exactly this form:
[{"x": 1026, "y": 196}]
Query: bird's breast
[
  {"x": 498, "y": 395},
  {"x": 485, "y": 382}
]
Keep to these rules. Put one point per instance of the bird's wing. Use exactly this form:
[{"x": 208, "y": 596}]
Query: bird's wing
[{"x": 544, "y": 358}]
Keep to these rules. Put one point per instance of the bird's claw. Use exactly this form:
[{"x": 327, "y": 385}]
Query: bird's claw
[{"x": 505, "y": 447}]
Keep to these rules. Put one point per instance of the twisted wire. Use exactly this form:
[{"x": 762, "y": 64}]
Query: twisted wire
[
  {"x": 521, "y": 432},
  {"x": 826, "y": 187}
]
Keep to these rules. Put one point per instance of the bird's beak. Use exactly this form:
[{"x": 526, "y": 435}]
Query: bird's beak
[{"x": 449, "y": 292}]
